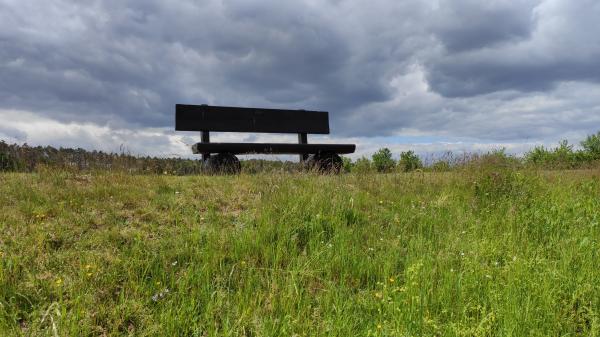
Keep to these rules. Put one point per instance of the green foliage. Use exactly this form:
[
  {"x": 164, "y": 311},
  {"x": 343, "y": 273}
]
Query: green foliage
[
  {"x": 441, "y": 166},
  {"x": 591, "y": 146},
  {"x": 382, "y": 160},
  {"x": 409, "y": 161},
  {"x": 8, "y": 162},
  {"x": 347, "y": 164},
  {"x": 362, "y": 165},
  {"x": 561, "y": 157}
]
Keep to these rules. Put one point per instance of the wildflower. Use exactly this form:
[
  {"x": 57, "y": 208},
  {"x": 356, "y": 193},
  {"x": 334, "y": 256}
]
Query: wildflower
[
  {"x": 381, "y": 202},
  {"x": 392, "y": 280},
  {"x": 243, "y": 263},
  {"x": 379, "y": 326},
  {"x": 174, "y": 263},
  {"x": 379, "y": 295},
  {"x": 89, "y": 274},
  {"x": 58, "y": 282},
  {"x": 159, "y": 295}
]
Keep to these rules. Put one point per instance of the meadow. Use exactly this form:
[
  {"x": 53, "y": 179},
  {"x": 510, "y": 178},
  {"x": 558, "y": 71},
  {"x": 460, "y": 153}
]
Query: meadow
[{"x": 471, "y": 252}]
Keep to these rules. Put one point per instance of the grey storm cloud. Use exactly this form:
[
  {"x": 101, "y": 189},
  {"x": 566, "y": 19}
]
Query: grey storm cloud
[
  {"x": 521, "y": 47},
  {"x": 126, "y": 63}
]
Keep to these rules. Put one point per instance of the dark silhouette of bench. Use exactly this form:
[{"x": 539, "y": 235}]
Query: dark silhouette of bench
[{"x": 206, "y": 118}]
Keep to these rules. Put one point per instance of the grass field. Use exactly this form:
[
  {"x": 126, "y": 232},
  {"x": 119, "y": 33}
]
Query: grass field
[{"x": 466, "y": 253}]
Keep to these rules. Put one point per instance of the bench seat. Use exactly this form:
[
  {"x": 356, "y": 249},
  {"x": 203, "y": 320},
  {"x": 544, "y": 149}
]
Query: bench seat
[{"x": 272, "y": 148}]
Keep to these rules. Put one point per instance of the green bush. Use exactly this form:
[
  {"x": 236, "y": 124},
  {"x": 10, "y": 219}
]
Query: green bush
[
  {"x": 561, "y": 157},
  {"x": 8, "y": 162},
  {"x": 409, "y": 161},
  {"x": 362, "y": 165},
  {"x": 591, "y": 146},
  {"x": 441, "y": 166},
  {"x": 347, "y": 164},
  {"x": 382, "y": 160}
]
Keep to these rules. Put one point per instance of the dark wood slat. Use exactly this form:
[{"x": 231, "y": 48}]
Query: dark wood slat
[
  {"x": 272, "y": 148},
  {"x": 235, "y": 119}
]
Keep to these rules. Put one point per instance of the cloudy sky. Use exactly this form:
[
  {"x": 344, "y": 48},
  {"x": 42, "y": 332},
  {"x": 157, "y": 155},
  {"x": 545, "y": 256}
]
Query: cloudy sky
[{"x": 429, "y": 75}]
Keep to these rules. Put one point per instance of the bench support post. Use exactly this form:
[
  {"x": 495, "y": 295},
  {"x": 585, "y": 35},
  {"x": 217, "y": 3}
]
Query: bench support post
[
  {"x": 205, "y": 139},
  {"x": 303, "y": 139}
]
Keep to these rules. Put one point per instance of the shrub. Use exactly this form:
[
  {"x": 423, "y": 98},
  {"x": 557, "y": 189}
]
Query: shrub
[
  {"x": 591, "y": 146},
  {"x": 538, "y": 156},
  {"x": 347, "y": 164},
  {"x": 382, "y": 160},
  {"x": 409, "y": 161},
  {"x": 362, "y": 165},
  {"x": 561, "y": 157},
  {"x": 8, "y": 162},
  {"x": 441, "y": 166}
]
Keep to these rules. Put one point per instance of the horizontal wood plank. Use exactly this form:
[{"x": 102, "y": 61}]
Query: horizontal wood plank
[
  {"x": 272, "y": 148},
  {"x": 235, "y": 119}
]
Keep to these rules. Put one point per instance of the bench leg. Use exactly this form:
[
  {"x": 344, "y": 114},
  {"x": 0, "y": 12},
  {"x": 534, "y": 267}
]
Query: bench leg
[
  {"x": 303, "y": 139},
  {"x": 205, "y": 138}
]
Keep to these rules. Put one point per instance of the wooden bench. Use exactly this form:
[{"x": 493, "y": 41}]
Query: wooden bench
[{"x": 206, "y": 118}]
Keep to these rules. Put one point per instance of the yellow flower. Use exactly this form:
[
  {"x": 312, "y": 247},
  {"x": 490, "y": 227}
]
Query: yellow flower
[
  {"x": 392, "y": 280},
  {"x": 58, "y": 282},
  {"x": 89, "y": 274},
  {"x": 379, "y": 295},
  {"x": 379, "y": 326}
]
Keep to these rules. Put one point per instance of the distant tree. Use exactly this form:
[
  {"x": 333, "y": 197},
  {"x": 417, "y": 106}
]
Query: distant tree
[
  {"x": 538, "y": 155},
  {"x": 441, "y": 166},
  {"x": 591, "y": 146},
  {"x": 561, "y": 157},
  {"x": 382, "y": 160},
  {"x": 347, "y": 164},
  {"x": 362, "y": 165},
  {"x": 409, "y": 161}
]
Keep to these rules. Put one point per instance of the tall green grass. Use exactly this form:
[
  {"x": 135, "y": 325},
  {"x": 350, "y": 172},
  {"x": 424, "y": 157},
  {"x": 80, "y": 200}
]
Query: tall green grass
[{"x": 485, "y": 251}]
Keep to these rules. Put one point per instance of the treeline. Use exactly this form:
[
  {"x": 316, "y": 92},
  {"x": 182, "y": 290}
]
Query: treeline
[
  {"x": 24, "y": 158},
  {"x": 564, "y": 156}
]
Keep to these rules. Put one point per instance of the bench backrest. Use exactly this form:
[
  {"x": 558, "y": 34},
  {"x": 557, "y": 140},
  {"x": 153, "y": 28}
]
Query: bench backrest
[{"x": 234, "y": 119}]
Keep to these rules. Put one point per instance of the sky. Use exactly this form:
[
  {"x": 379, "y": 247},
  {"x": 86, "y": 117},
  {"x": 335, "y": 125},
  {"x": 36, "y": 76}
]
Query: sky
[{"x": 427, "y": 75}]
